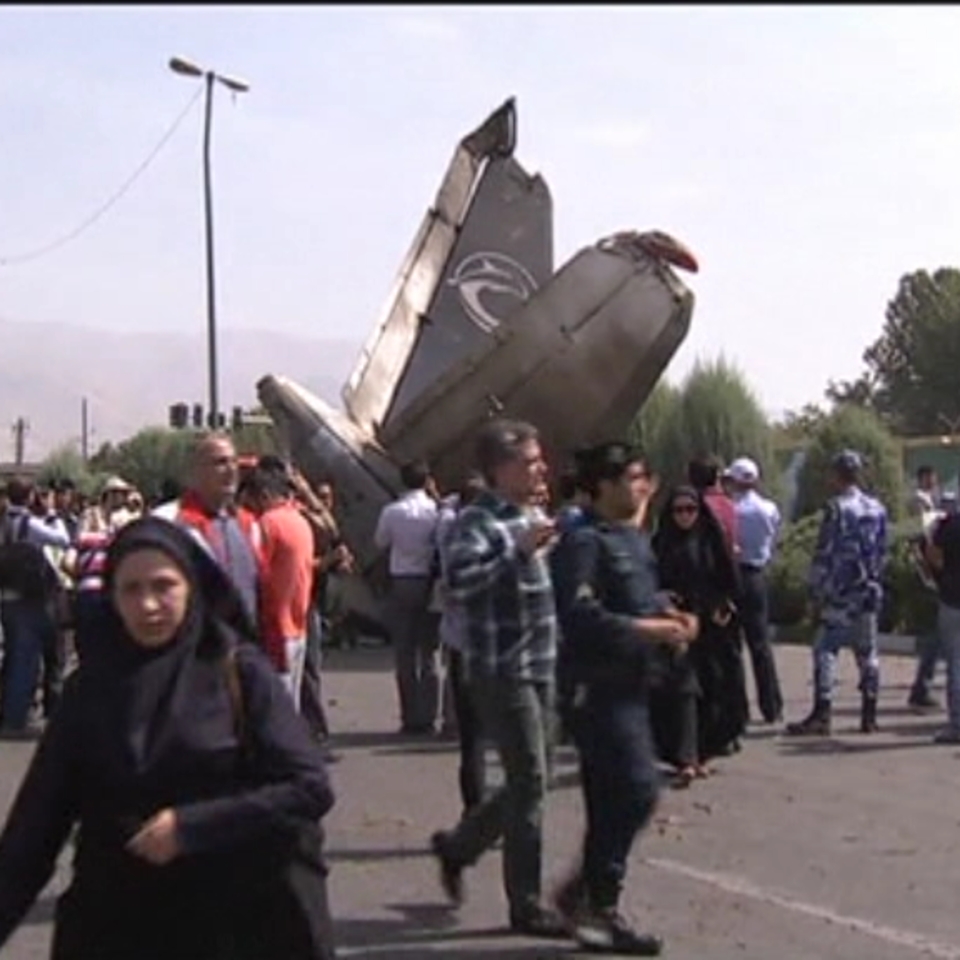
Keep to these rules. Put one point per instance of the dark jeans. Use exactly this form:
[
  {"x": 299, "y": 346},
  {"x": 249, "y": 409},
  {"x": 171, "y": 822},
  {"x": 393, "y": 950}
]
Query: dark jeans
[
  {"x": 620, "y": 789},
  {"x": 929, "y": 651},
  {"x": 753, "y": 618},
  {"x": 416, "y": 648},
  {"x": 311, "y": 691},
  {"x": 28, "y": 630},
  {"x": 473, "y": 768},
  {"x": 86, "y": 611},
  {"x": 54, "y": 660},
  {"x": 517, "y": 715}
]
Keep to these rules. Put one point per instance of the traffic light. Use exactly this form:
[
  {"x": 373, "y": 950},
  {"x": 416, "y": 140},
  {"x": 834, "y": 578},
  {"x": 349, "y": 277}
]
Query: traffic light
[
  {"x": 179, "y": 416},
  {"x": 198, "y": 416},
  {"x": 236, "y": 421}
]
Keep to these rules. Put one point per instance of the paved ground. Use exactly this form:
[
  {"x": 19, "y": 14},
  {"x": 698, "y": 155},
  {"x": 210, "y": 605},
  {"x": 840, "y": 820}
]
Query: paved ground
[{"x": 836, "y": 850}]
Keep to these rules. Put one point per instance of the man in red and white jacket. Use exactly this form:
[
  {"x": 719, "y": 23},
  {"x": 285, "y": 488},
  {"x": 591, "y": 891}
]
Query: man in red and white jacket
[{"x": 208, "y": 510}]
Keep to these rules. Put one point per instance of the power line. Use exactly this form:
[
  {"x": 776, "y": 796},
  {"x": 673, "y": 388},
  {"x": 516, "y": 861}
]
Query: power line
[{"x": 97, "y": 214}]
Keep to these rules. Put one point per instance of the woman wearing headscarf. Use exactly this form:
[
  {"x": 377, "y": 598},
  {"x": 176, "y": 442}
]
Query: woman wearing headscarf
[
  {"x": 702, "y": 706},
  {"x": 196, "y": 788}
]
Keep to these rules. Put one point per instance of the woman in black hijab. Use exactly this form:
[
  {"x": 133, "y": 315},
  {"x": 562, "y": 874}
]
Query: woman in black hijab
[
  {"x": 694, "y": 563},
  {"x": 196, "y": 787}
]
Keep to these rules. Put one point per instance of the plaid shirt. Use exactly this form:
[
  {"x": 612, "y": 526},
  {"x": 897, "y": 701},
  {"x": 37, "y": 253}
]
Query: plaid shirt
[{"x": 506, "y": 596}]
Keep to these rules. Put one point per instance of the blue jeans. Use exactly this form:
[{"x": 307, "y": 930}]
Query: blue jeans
[
  {"x": 27, "y": 627},
  {"x": 857, "y": 631},
  {"x": 620, "y": 787},
  {"x": 948, "y": 628}
]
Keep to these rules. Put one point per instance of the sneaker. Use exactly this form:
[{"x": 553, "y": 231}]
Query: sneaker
[
  {"x": 451, "y": 872},
  {"x": 539, "y": 922},
  {"x": 569, "y": 901},
  {"x": 947, "y": 735},
  {"x": 609, "y": 932},
  {"x": 922, "y": 700}
]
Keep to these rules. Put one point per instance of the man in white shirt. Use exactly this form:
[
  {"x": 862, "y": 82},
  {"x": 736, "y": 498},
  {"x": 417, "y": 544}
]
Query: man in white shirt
[
  {"x": 758, "y": 526},
  {"x": 406, "y": 529}
]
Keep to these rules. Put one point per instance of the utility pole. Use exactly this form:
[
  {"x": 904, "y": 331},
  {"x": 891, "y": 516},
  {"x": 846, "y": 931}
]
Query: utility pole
[
  {"x": 20, "y": 430},
  {"x": 84, "y": 430},
  {"x": 235, "y": 86}
]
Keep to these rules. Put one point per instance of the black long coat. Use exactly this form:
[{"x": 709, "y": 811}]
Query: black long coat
[{"x": 239, "y": 818}]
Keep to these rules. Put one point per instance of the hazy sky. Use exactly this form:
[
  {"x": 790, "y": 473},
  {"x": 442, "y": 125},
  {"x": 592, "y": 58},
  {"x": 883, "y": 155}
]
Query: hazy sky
[{"x": 809, "y": 157}]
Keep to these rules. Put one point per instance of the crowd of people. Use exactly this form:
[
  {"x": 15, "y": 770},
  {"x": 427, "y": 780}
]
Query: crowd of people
[
  {"x": 574, "y": 622},
  {"x": 192, "y": 736}
]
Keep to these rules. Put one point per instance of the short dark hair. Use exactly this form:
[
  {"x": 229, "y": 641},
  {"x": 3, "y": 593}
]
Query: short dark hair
[
  {"x": 414, "y": 475},
  {"x": 925, "y": 471},
  {"x": 703, "y": 472},
  {"x": 272, "y": 464},
  {"x": 470, "y": 487},
  {"x": 64, "y": 485},
  {"x": 606, "y": 461},
  {"x": 568, "y": 486},
  {"x": 267, "y": 483},
  {"x": 499, "y": 442},
  {"x": 19, "y": 491}
]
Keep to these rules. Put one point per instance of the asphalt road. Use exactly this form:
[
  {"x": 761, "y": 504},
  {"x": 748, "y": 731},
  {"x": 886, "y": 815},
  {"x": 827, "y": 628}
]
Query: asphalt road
[{"x": 833, "y": 850}]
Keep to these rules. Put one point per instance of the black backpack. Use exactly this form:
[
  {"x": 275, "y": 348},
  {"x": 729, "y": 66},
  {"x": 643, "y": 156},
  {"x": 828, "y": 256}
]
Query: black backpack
[{"x": 24, "y": 568}]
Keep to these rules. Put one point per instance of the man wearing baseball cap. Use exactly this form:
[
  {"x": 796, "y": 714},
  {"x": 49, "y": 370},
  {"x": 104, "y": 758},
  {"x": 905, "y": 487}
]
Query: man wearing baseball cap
[
  {"x": 847, "y": 592},
  {"x": 758, "y": 525}
]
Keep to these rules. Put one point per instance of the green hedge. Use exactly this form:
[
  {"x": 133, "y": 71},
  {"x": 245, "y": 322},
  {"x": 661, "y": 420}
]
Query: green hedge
[{"x": 909, "y": 607}]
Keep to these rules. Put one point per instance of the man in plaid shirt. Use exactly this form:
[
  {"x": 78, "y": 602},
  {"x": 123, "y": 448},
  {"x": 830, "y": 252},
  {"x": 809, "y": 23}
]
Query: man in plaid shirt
[{"x": 498, "y": 573}]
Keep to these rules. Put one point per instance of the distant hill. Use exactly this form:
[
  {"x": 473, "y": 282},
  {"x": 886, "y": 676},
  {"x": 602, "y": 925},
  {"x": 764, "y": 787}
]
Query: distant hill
[{"x": 130, "y": 379}]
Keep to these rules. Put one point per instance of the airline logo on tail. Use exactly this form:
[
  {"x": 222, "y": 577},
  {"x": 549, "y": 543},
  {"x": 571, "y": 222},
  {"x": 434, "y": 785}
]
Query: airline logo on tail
[{"x": 482, "y": 277}]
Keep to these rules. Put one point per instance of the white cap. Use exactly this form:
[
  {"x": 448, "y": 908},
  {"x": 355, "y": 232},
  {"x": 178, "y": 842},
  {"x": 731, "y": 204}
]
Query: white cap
[
  {"x": 743, "y": 470},
  {"x": 116, "y": 484}
]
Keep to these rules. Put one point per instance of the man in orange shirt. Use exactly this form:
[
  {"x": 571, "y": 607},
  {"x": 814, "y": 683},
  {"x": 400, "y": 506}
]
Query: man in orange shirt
[{"x": 286, "y": 575}]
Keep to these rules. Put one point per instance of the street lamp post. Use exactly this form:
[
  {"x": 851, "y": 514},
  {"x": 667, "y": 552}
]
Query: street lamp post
[{"x": 188, "y": 69}]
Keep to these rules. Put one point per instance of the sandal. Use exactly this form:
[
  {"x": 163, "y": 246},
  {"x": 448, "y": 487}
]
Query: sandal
[{"x": 684, "y": 777}]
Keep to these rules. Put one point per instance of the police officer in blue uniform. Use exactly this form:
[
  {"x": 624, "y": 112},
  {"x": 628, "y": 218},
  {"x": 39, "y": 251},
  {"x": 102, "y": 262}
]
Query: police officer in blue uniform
[
  {"x": 846, "y": 587},
  {"x": 611, "y": 614}
]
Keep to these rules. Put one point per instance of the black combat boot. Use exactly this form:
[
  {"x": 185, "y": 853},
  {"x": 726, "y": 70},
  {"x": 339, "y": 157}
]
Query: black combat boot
[
  {"x": 868, "y": 715},
  {"x": 815, "y": 724}
]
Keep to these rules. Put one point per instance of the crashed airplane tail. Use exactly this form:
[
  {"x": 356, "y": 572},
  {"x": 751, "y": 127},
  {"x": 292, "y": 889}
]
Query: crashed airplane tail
[
  {"x": 478, "y": 325},
  {"x": 483, "y": 249}
]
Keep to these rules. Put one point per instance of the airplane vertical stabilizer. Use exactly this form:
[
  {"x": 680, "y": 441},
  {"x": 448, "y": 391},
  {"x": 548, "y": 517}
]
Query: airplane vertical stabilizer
[{"x": 481, "y": 251}]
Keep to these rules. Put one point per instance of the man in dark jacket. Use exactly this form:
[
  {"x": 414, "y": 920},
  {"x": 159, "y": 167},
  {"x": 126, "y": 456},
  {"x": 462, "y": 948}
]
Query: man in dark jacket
[{"x": 611, "y": 614}]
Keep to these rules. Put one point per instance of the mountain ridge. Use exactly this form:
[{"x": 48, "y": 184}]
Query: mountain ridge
[{"x": 130, "y": 378}]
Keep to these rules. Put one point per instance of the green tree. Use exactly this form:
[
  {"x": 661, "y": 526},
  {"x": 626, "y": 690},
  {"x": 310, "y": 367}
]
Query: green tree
[
  {"x": 851, "y": 427},
  {"x": 256, "y": 439},
  {"x": 911, "y": 369},
  {"x": 656, "y": 417},
  {"x": 156, "y": 454},
  {"x": 147, "y": 458},
  {"x": 66, "y": 463},
  {"x": 714, "y": 411},
  {"x": 801, "y": 424}
]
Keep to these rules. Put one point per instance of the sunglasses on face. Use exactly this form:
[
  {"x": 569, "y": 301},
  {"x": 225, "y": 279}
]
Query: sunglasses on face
[{"x": 684, "y": 509}]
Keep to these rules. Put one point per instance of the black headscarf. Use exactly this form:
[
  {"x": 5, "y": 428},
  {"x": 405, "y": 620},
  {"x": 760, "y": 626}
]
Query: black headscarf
[
  {"x": 694, "y": 563},
  {"x": 139, "y": 686}
]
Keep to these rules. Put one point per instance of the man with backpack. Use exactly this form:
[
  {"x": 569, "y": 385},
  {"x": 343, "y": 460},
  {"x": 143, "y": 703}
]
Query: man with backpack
[{"x": 28, "y": 584}]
